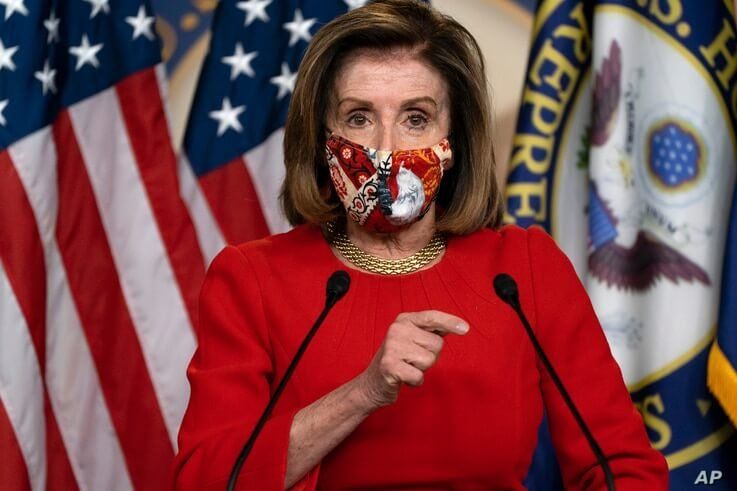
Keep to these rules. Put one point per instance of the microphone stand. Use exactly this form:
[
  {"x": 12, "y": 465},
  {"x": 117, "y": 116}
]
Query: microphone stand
[
  {"x": 337, "y": 287},
  {"x": 506, "y": 289}
]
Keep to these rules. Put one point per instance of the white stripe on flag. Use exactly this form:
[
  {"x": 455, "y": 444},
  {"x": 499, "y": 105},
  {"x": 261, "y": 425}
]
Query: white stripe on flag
[
  {"x": 76, "y": 394},
  {"x": 21, "y": 390},
  {"x": 146, "y": 276},
  {"x": 265, "y": 165},
  {"x": 71, "y": 377},
  {"x": 161, "y": 81},
  {"x": 209, "y": 236},
  {"x": 208, "y": 232}
]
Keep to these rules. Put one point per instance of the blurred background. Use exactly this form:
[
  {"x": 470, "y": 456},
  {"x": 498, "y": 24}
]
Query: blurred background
[{"x": 129, "y": 159}]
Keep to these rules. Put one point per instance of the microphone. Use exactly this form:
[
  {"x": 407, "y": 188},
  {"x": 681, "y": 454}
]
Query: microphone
[
  {"x": 506, "y": 289},
  {"x": 337, "y": 287}
]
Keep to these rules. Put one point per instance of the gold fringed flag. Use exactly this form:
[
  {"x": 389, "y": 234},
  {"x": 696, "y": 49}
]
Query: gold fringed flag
[
  {"x": 722, "y": 375},
  {"x": 626, "y": 152}
]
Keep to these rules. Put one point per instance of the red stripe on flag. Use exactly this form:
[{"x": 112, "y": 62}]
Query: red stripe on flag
[
  {"x": 21, "y": 252},
  {"x": 13, "y": 471},
  {"x": 233, "y": 200},
  {"x": 104, "y": 316},
  {"x": 145, "y": 120},
  {"x": 59, "y": 473}
]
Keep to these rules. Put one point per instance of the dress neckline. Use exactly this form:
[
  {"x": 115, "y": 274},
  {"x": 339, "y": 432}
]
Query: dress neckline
[{"x": 338, "y": 264}]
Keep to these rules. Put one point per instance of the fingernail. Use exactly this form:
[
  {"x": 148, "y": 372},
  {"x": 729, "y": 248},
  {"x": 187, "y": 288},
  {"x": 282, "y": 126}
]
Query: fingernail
[{"x": 462, "y": 328}]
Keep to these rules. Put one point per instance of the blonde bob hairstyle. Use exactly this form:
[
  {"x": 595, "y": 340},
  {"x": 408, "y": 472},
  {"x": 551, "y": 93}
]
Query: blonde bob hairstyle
[{"x": 469, "y": 197}]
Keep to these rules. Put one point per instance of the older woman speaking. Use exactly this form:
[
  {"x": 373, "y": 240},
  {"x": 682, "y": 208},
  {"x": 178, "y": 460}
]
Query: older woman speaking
[{"x": 421, "y": 378}]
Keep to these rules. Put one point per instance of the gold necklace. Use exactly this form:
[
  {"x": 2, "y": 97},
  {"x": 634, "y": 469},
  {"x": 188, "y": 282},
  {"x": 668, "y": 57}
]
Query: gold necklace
[{"x": 373, "y": 264}]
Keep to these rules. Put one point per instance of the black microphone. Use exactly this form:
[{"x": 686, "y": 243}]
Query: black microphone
[
  {"x": 506, "y": 289},
  {"x": 337, "y": 287}
]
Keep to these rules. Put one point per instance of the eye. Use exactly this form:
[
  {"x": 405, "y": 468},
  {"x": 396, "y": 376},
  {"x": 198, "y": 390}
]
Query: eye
[
  {"x": 358, "y": 119},
  {"x": 417, "y": 120}
]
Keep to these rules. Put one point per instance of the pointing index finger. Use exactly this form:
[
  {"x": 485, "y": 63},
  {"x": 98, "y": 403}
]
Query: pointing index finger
[{"x": 438, "y": 322}]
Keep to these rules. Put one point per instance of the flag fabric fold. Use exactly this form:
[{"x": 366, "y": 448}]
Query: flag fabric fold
[
  {"x": 722, "y": 375},
  {"x": 625, "y": 152},
  {"x": 99, "y": 259}
]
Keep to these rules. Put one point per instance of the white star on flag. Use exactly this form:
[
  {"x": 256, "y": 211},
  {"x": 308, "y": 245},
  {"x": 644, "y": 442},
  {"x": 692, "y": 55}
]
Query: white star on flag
[
  {"x": 285, "y": 81},
  {"x": 254, "y": 9},
  {"x": 46, "y": 77},
  {"x": 240, "y": 62},
  {"x": 52, "y": 25},
  {"x": 141, "y": 24},
  {"x": 12, "y": 6},
  {"x": 354, "y": 4},
  {"x": 6, "y": 57},
  {"x": 299, "y": 28},
  {"x": 86, "y": 53},
  {"x": 97, "y": 6},
  {"x": 227, "y": 117},
  {"x": 3, "y": 105}
]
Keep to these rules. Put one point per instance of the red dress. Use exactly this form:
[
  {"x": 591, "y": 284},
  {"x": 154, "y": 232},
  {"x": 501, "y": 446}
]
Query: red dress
[{"x": 471, "y": 426}]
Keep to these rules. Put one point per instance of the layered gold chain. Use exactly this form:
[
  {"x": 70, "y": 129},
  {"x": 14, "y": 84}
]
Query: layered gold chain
[{"x": 374, "y": 264}]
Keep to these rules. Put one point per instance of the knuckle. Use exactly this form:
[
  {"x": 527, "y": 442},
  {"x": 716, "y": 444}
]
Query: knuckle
[
  {"x": 426, "y": 317},
  {"x": 388, "y": 352},
  {"x": 424, "y": 361},
  {"x": 398, "y": 327},
  {"x": 394, "y": 335},
  {"x": 386, "y": 365},
  {"x": 433, "y": 342}
]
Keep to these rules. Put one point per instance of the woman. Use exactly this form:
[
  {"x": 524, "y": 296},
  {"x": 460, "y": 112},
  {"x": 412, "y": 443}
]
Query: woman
[{"x": 373, "y": 405}]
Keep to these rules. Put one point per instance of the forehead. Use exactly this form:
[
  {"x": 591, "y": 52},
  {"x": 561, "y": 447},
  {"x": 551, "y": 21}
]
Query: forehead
[{"x": 388, "y": 75}]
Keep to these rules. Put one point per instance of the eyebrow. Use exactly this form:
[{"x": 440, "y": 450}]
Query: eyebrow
[
  {"x": 405, "y": 104},
  {"x": 359, "y": 102},
  {"x": 418, "y": 100}
]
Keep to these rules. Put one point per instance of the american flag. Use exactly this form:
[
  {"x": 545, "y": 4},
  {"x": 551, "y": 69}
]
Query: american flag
[
  {"x": 234, "y": 137},
  {"x": 100, "y": 265},
  {"x": 100, "y": 262}
]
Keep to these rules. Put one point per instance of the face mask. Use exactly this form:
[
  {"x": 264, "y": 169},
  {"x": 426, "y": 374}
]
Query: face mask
[{"x": 385, "y": 190}]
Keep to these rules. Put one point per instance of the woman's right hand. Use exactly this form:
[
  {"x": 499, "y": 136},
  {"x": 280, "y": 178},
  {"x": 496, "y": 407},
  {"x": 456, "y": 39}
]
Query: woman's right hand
[{"x": 411, "y": 346}]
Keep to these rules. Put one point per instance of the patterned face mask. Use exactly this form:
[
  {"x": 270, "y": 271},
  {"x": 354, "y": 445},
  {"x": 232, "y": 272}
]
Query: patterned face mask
[{"x": 385, "y": 190}]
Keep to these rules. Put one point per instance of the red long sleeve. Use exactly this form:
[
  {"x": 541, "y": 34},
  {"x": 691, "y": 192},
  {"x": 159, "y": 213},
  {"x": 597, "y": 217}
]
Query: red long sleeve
[
  {"x": 472, "y": 425},
  {"x": 230, "y": 377},
  {"x": 570, "y": 333}
]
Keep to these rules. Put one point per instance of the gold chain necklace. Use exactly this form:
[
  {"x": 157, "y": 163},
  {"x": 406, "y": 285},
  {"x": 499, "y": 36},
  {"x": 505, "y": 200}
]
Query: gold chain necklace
[{"x": 373, "y": 264}]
